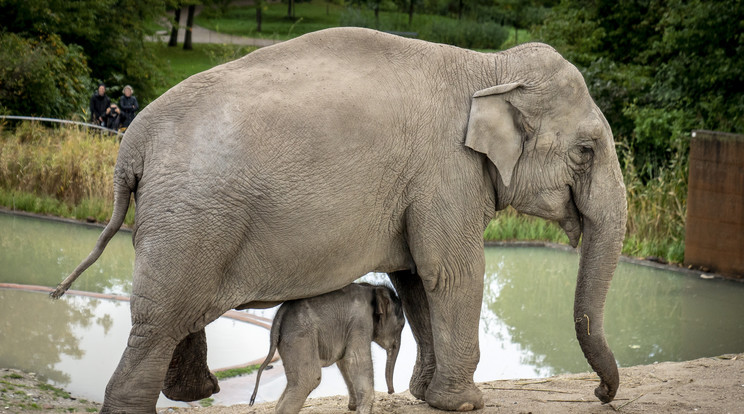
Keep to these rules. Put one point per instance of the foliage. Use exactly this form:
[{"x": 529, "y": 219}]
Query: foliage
[
  {"x": 487, "y": 35},
  {"x": 658, "y": 69},
  {"x": 42, "y": 76},
  {"x": 66, "y": 172},
  {"x": 111, "y": 34}
]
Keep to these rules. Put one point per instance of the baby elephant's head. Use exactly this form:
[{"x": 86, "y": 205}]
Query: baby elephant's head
[{"x": 389, "y": 322}]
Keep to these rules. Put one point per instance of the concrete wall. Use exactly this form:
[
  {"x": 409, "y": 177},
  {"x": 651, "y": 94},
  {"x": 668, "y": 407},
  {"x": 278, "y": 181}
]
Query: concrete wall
[{"x": 715, "y": 203}]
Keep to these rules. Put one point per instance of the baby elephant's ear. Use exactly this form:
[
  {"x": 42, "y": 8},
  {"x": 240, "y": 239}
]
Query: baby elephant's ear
[{"x": 382, "y": 301}]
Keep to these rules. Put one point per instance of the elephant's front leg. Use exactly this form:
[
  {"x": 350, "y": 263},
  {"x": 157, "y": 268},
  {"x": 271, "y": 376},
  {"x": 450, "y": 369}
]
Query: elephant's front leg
[
  {"x": 188, "y": 377},
  {"x": 455, "y": 293},
  {"x": 416, "y": 307}
]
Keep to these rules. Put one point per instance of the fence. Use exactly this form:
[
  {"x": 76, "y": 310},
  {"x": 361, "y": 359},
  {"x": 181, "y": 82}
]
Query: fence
[{"x": 715, "y": 203}]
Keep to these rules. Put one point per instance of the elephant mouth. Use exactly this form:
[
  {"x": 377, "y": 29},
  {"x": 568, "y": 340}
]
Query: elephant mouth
[{"x": 572, "y": 223}]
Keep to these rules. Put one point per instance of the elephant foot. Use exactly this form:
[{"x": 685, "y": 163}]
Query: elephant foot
[
  {"x": 418, "y": 387},
  {"x": 188, "y": 377},
  {"x": 193, "y": 389},
  {"x": 467, "y": 398},
  {"x": 423, "y": 372}
]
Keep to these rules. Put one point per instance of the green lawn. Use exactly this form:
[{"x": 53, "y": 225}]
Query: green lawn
[
  {"x": 180, "y": 64},
  {"x": 241, "y": 20},
  {"x": 318, "y": 14}
]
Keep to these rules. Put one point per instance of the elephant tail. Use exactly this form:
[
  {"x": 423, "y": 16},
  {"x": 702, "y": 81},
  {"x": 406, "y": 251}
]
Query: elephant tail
[
  {"x": 275, "y": 328},
  {"x": 122, "y": 192}
]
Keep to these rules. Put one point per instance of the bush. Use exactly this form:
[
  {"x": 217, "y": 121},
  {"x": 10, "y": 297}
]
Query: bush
[
  {"x": 42, "y": 76},
  {"x": 467, "y": 34}
]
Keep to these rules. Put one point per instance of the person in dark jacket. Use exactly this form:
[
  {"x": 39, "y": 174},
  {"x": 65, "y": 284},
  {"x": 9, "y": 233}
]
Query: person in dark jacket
[
  {"x": 128, "y": 106},
  {"x": 113, "y": 118},
  {"x": 99, "y": 103}
]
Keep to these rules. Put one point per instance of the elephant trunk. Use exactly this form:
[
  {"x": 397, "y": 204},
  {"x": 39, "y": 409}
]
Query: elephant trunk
[
  {"x": 392, "y": 356},
  {"x": 603, "y": 223}
]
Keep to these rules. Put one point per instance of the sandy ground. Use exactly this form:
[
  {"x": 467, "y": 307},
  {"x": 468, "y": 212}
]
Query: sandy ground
[{"x": 707, "y": 385}]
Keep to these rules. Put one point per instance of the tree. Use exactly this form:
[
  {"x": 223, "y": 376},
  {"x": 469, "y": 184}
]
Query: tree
[
  {"x": 173, "y": 41},
  {"x": 189, "y": 27},
  {"x": 656, "y": 68},
  {"x": 110, "y": 33},
  {"x": 42, "y": 77}
]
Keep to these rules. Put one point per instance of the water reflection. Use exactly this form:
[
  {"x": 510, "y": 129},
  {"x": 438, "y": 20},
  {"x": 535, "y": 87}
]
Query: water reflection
[
  {"x": 651, "y": 315},
  {"x": 43, "y": 252},
  {"x": 37, "y": 347},
  {"x": 76, "y": 342}
]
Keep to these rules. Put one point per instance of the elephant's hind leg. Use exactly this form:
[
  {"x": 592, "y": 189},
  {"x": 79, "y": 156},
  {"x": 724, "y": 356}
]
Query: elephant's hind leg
[
  {"x": 416, "y": 307},
  {"x": 188, "y": 377},
  {"x": 302, "y": 368},
  {"x": 163, "y": 316}
]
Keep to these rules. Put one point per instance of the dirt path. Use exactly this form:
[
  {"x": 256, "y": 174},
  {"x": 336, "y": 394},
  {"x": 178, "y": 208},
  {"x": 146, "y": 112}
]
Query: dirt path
[
  {"x": 201, "y": 34},
  {"x": 706, "y": 385}
]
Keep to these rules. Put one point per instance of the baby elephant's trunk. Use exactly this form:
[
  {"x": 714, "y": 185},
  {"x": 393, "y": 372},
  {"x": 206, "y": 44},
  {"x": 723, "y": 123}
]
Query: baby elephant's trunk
[{"x": 392, "y": 356}]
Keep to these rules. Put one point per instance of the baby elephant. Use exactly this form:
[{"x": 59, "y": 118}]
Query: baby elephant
[{"x": 339, "y": 327}]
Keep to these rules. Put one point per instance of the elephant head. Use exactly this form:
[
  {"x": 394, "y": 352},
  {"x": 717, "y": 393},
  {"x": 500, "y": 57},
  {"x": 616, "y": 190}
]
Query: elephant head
[
  {"x": 388, "y": 326},
  {"x": 552, "y": 155}
]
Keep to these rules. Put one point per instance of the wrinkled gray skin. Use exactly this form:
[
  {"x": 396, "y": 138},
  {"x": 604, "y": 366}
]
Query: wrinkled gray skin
[
  {"x": 336, "y": 327},
  {"x": 354, "y": 143}
]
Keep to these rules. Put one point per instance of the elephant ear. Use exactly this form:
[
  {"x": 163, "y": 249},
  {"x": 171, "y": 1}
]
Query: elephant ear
[
  {"x": 492, "y": 129},
  {"x": 382, "y": 302}
]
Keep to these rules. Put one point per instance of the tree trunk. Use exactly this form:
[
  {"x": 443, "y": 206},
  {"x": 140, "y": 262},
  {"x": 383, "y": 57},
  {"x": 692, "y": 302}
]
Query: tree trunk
[
  {"x": 173, "y": 41},
  {"x": 459, "y": 11},
  {"x": 377, "y": 15},
  {"x": 290, "y": 9},
  {"x": 259, "y": 15},
  {"x": 410, "y": 13},
  {"x": 189, "y": 25}
]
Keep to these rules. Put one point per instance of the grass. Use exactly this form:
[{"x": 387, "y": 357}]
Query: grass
[
  {"x": 56, "y": 391},
  {"x": 317, "y": 15},
  {"x": 236, "y": 372},
  {"x": 66, "y": 172},
  {"x": 509, "y": 225},
  {"x": 183, "y": 63},
  {"x": 207, "y": 402},
  {"x": 310, "y": 16}
]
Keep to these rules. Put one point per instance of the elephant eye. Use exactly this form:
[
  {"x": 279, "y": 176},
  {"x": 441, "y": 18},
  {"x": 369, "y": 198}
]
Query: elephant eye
[{"x": 587, "y": 150}]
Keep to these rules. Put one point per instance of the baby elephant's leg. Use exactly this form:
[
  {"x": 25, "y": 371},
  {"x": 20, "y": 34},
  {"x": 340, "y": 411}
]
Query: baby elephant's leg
[
  {"x": 343, "y": 367},
  {"x": 358, "y": 366},
  {"x": 302, "y": 368}
]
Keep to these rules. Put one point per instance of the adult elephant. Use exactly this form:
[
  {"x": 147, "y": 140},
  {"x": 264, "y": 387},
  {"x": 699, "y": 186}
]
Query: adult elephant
[{"x": 294, "y": 170}]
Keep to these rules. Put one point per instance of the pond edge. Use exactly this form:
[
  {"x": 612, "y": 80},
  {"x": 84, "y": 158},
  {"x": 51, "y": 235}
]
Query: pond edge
[{"x": 513, "y": 243}]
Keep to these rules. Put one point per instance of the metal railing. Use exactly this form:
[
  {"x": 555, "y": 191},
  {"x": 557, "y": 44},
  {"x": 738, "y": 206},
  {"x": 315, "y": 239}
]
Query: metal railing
[{"x": 59, "y": 121}]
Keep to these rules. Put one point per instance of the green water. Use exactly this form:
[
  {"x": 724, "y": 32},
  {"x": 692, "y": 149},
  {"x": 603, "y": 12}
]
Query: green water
[
  {"x": 44, "y": 252},
  {"x": 526, "y": 327},
  {"x": 651, "y": 315}
]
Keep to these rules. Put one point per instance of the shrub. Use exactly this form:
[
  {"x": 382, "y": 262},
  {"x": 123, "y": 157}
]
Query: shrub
[
  {"x": 42, "y": 76},
  {"x": 467, "y": 34}
]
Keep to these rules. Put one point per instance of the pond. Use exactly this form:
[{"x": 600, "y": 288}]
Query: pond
[{"x": 526, "y": 327}]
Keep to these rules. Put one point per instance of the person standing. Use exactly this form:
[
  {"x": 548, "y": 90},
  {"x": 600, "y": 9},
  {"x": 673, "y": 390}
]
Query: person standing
[
  {"x": 99, "y": 103},
  {"x": 128, "y": 106}
]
